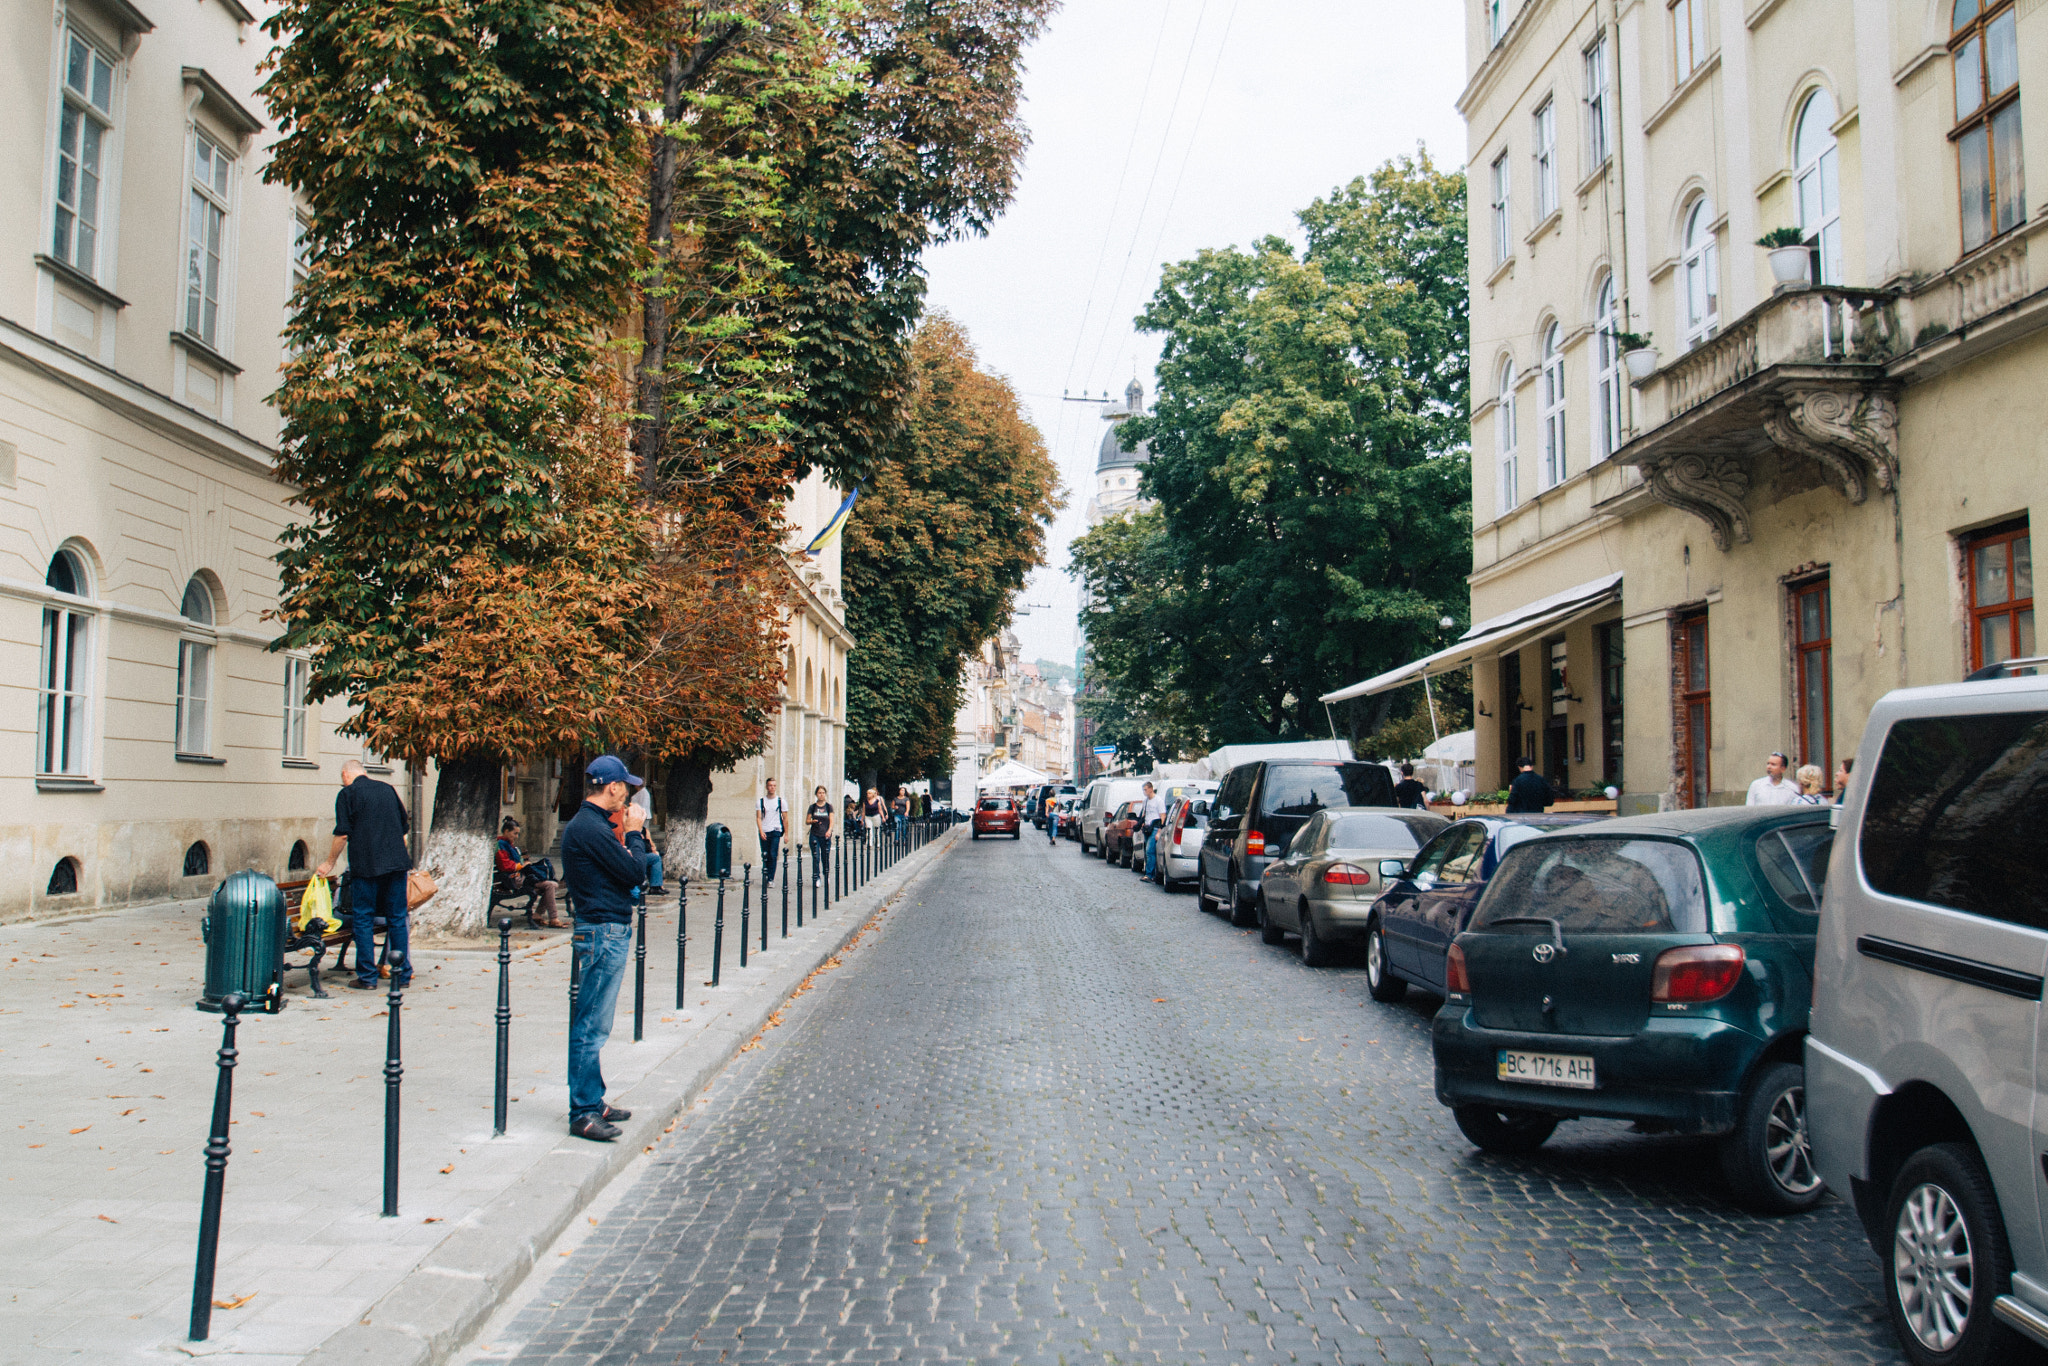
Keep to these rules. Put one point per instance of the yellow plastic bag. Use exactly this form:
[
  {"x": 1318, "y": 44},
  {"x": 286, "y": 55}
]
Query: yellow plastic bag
[{"x": 318, "y": 902}]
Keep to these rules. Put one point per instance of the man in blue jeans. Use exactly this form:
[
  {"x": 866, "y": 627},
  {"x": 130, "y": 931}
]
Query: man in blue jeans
[
  {"x": 370, "y": 822},
  {"x": 604, "y": 869}
]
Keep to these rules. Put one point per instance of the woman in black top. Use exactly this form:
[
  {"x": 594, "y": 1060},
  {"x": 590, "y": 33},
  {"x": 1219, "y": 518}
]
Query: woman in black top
[
  {"x": 819, "y": 814},
  {"x": 855, "y": 828}
]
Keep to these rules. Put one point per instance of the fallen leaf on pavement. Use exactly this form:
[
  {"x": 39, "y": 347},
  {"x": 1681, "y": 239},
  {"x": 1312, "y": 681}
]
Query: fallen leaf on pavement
[
  {"x": 81, "y": 1128},
  {"x": 103, "y": 1219},
  {"x": 236, "y": 1303},
  {"x": 449, "y": 1168},
  {"x": 1158, "y": 1000},
  {"x": 920, "y": 1240},
  {"x": 431, "y": 1219}
]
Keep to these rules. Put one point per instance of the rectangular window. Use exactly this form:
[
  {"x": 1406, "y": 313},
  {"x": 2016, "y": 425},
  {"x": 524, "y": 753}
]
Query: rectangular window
[
  {"x": 1611, "y": 660},
  {"x": 297, "y": 675},
  {"x": 1502, "y": 226},
  {"x": 206, "y": 239},
  {"x": 195, "y": 680},
  {"x": 1955, "y": 815},
  {"x": 1695, "y": 709},
  {"x": 1999, "y": 567},
  {"x": 1599, "y": 106},
  {"x": 1984, "y": 57},
  {"x": 1544, "y": 130},
  {"x": 1689, "y": 35},
  {"x": 62, "y": 703},
  {"x": 84, "y": 131},
  {"x": 1813, "y": 632},
  {"x": 1496, "y": 21}
]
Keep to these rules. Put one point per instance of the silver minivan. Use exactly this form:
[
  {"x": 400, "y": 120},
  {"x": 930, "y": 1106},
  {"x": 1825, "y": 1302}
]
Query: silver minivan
[{"x": 1926, "y": 1076}]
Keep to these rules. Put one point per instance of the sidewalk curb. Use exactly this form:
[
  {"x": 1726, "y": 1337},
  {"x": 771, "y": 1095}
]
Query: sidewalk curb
[{"x": 454, "y": 1290}]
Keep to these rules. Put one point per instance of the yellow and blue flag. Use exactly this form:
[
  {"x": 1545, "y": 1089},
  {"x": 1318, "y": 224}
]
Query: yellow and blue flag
[{"x": 831, "y": 530}]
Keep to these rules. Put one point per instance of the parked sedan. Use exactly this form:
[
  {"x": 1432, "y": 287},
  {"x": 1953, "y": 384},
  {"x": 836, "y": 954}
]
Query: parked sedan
[
  {"x": 1428, "y": 899},
  {"x": 1322, "y": 886},
  {"x": 1656, "y": 969},
  {"x": 1116, "y": 834},
  {"x": 997, "y": 816},
  {"x": 1180, "y": 840}
]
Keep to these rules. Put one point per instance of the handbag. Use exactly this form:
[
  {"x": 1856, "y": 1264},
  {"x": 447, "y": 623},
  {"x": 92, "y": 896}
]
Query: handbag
[{"x": 419, "y": 888}]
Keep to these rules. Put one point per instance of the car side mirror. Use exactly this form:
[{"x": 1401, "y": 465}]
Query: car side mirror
[{"x": 1391, "y": 868}]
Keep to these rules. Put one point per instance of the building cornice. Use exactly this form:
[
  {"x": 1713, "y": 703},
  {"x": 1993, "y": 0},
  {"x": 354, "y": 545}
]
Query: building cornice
[
  {"x": 815, "y": 606},
  {"x": 137, "y": 402}
]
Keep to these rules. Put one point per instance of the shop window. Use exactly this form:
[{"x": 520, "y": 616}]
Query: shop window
[
  {"x": 1608, "y": 638},
  {"x": 1999, "y": 568}
]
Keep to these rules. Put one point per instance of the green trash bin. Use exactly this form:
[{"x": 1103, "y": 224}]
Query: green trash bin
[
  {"x": 717, "y": 850},
  {"x": 244, "y": 934}
]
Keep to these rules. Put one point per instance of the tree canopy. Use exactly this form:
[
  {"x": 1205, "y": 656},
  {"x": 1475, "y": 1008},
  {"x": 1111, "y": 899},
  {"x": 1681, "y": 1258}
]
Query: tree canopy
[
  {"x": 1310, "y": 473},
  {"x": 952, "y": 523}
]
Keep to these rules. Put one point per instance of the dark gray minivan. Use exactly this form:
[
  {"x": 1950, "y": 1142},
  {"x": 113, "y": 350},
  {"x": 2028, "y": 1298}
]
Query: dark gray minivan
[{"x": 1256, "y": 811}]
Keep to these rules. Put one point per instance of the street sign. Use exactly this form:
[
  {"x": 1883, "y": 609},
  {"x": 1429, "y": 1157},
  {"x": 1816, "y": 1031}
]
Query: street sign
[{"x": 1104, "y": 751}]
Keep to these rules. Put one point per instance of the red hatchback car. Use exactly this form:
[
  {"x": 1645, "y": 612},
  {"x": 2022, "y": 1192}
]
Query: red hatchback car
[{"x": 997, "y": 816}]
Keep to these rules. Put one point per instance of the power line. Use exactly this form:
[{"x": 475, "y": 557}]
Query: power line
[{"x": 1194, "y": 137}]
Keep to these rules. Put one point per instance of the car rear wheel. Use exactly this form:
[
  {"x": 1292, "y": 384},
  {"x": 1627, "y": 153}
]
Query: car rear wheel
[
  {"x": 1316, "y": 951},
  {"x": 1950, "y": 1260},
  {"x": 1506, "y": 1132},
  {"x": 1205, "y": 903},
  {"x": 1242, "y": 915},
  {"x": 1768, "y": 1161},
  {"x": 1269, "y": 929},
  {"x": 1381, "y": 983}
]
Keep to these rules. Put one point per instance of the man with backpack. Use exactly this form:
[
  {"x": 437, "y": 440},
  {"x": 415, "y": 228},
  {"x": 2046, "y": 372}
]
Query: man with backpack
[{"x": 771, "y": 823}]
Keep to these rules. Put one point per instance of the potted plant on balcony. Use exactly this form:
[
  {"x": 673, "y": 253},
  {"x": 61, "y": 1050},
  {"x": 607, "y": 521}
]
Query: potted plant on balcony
[
  {"x": 1789, "y": 254},
  {"x": 1637, "y": 354}
]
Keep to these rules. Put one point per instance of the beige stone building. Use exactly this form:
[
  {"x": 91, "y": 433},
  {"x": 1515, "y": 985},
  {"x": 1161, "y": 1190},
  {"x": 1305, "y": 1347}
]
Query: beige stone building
[{"x": 1816, "y": 491}]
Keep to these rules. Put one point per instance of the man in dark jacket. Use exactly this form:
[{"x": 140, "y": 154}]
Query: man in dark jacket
[
  {"x": 603, "y": 868},
  {"x": 1410, "y": 793},
  {"x": 370, "y": 822},
  {"x": 1530, "y": 793}
]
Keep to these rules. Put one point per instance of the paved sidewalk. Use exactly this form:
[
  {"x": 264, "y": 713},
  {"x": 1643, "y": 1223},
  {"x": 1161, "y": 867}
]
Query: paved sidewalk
[{"x": 107, "y": 1070}]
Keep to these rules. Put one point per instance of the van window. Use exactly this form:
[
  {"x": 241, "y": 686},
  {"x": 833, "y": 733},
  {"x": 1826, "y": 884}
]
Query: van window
[
  {"x": 1795, "y": 863},
  {"x": 1304, "y": 789},
  {"x": 1958, "y": 815},
  {"x": 1236, "y": 790},
  {"x": 1600, "y": 886}
]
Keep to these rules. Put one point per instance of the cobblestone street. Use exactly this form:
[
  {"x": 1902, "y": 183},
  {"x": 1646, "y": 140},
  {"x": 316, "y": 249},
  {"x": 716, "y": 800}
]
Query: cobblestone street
[{"x": 1054, "y": 1115}]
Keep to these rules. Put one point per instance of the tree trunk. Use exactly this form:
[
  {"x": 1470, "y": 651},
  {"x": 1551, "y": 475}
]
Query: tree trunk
[
  {"x": 688, "y": 789},
  {"x": 461, "y": 845}
]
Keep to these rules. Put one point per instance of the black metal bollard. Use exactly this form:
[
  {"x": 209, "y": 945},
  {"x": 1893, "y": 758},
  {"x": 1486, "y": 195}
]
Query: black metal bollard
[
  {"x": 785, "y": 892},
  {"x": 800, "y": 891},
  {"x": 394, "y": 1071},
  {"x": 682, "y": 934},
  {"x": 216, "y": 1171},
  {"x": 718, "y": 935},
  {"x": 764, "y": 907},
  {"x": 498, "y": 1098},
  {"x": 640, "y": 967},
  {"x": 746, "y": 897}
]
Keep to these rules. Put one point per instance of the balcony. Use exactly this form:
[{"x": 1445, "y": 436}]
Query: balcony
[{"x": 1794, "y": 389}]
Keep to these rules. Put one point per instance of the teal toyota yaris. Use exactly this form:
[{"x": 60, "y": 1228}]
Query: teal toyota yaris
[{"x": 1656, "y": 969}]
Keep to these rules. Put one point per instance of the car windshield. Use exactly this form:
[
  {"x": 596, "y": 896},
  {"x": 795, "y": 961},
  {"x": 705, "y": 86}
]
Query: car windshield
[
  {"x": 1304, "y": 789},
  {"x": 1396, "y": 834},
  {"x": 1603, "y": 886}
]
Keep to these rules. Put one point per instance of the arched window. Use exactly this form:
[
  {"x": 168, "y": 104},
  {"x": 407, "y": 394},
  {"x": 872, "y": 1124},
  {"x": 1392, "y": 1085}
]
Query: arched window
[
  {"x": 1699, "y": 273},
  {"x": 295, "y": 862},
  {"x": 1553, "y": 406},
  {"x": 1820, "y": 204},
  {"x": 1607, "y": 378},
  {"x": 64, "y": 680},
  {"x": 63, "y": 878},
  {"x": 1504, "y": 438},
  {"x": 195, "y": 670},
  {"x": 198, "y": 861},
  {"x": 810, "y": 694},
  {"x": 1984, "y": 54}
]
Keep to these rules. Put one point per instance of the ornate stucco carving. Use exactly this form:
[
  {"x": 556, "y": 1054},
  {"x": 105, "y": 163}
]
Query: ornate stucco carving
[
  {"x": 1712, "y": 487},
  {"x": 1853, "y": 436}
]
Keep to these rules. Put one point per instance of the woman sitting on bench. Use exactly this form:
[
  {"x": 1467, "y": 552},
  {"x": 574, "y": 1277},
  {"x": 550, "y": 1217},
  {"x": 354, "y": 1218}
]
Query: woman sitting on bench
[{"x": 524, "y": 875}]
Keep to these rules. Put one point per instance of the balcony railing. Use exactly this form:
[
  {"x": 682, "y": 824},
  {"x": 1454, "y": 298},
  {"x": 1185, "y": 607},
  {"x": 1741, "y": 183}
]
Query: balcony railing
[{"x": 1826, "y": 326}]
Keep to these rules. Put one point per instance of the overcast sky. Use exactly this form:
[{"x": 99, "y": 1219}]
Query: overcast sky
[{"x": 1159, "y": 127}]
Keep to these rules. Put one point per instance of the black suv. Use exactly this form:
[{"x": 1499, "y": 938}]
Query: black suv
[{"x": 1256, "y": 812}]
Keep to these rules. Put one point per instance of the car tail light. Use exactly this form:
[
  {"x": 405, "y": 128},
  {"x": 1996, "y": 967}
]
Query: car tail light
[
  {"x": 1255, "y": 844},
  {"x": 1347, "y": 875},
  {"x": 1455, "y": 979},
  {"x": 1702, "y": 972}
]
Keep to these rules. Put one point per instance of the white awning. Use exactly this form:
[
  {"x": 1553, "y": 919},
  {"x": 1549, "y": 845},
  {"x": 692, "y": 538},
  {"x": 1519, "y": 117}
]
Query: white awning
[
  {"x": 1496, "y": 635},
  {"x": 1010, "y": 773}
]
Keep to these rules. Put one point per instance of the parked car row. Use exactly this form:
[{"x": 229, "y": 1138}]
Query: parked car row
[{"x": 1844, "y": 996}]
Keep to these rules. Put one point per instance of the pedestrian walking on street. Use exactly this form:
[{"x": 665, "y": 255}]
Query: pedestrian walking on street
[
  {"x": 1151, "y": 815},
  {"x": 1774, "y": 788},
  {"x": 1809, "y": 777},
  {"x": 872, "y": 809},
  {"x": 1530, "y": 792},
  {"x": 1410, "y": 793},
  {"x": 819, "y": 816},
  {"x": 603, "y": 876},
  {"x": 530, "y": 875},
  {"x": 370, "y": 823},
  {"x": 899, "y": 810},
  {"x": 1052, "y": 821},
  {"x": 771, "y": 823}
]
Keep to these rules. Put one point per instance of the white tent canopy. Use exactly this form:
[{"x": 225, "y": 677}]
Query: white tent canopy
[
  {"x": 1010, "y": 773},
  {"x": 1497, "y": 635}
]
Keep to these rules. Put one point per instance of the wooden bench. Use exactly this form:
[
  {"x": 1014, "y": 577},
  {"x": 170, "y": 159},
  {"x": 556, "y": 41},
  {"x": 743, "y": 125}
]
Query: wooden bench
[{"x": 337, "y": 933}]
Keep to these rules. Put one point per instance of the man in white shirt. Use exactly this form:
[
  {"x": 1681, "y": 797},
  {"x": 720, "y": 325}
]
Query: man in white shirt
[
  {"x": 1150, "y": 816},
  {"x": 1774, "y": 788},
  {"x": 771, "y": 822}
]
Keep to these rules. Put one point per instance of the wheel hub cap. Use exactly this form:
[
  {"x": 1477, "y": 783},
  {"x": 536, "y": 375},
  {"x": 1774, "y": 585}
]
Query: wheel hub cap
[{"x": 1931, "y": 1267}]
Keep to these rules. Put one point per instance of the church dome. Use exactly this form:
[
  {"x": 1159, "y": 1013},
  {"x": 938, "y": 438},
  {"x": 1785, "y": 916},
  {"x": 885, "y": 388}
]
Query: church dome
[{"x": 1112, "y": 455}]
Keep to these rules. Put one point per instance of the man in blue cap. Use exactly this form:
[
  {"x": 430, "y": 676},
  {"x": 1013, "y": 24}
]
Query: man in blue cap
[{"x": 603, "y": 869}]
